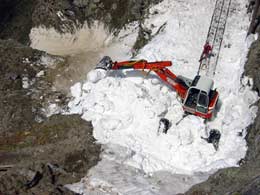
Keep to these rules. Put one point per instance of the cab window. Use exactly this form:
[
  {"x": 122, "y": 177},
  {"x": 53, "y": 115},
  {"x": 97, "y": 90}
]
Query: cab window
[
  {"x": 203, "y": 102},
  {"x": 192, "y": 98},
  {"x": 203, "y": 99}
]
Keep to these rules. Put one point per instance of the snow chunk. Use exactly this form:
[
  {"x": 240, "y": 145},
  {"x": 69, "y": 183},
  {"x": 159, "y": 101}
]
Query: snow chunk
[
  {"x": 26, "y": 82},
  {"x": 96, "y": 75},
  {"x": 40, "y": 74}
]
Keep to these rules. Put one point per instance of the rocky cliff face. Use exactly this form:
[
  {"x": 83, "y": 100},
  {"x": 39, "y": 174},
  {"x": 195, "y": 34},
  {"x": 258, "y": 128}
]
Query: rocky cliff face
[
  {"x": 252, "y": 69},
  {"x": 18, "y": 17},
  {"x": 47, "y": 156},
  {"x": 38, "y": 155}
]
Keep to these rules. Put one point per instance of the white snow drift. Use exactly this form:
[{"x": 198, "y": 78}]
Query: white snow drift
[{"x": 125, "y": 107}]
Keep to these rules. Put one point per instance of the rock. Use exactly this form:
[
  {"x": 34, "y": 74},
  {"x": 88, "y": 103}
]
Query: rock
[
  {"x": 62, "y": 151},
  {"x": 114, "y": 6},
  {"x": 46, "y": 13},
  {"x": 38, "y": 157},
  {"x": 108, "y": 18},
  {"x": 144, "y": 36},
  {"x": 15, "y": 102},
  {"x": 67, "y": 15},
  {"x": 15, "y": 23},
  {"x": 81, "y": 3},
  {"x": 18, "y": 17},
  {"x": 20, "y": 87},
  {"x": 252, "y": 69}
]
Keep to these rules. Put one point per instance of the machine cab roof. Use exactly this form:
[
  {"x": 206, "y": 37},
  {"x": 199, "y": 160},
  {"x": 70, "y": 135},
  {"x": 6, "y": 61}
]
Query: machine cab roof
[
  {"x": 197, "y": 98},
  {"x": 202, "y": 83}
]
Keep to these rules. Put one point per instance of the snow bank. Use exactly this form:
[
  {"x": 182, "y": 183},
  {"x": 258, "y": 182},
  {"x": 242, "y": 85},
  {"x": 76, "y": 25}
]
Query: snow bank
[
  {"x": 125, "y": 107},
  {"x": 96, "y": 75},
  {"x": 112, "y": 177}
]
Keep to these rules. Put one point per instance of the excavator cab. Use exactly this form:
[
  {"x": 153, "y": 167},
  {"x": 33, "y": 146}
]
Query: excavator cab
[{"x": 200, "y": 97}]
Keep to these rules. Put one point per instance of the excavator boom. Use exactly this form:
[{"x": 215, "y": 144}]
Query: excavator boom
[
  {"x": 141, "y": 64},
  {"x": 159, "y": 67}
]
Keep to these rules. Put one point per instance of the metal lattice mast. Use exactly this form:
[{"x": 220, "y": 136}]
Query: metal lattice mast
[{"x": 216, "y": 32}]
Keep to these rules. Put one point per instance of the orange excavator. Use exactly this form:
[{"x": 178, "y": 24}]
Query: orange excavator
[{"x": 197, "y": 96}]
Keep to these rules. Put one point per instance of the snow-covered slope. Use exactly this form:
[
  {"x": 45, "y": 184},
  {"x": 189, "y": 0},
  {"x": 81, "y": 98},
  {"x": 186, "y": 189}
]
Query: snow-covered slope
[{"x": 125, "y": 107}]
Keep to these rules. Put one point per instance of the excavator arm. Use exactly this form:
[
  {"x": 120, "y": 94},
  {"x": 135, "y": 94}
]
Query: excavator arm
[
  {"x": 141, "y": 64},
  {"x": 160, "y": 68}
]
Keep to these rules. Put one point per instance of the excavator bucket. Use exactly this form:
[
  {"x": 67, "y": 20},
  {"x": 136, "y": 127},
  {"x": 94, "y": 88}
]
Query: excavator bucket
[{"x": 105, "y": 63}]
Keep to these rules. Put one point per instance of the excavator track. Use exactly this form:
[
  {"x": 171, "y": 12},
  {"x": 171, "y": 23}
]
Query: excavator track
[{"x": 215, "y": 35}]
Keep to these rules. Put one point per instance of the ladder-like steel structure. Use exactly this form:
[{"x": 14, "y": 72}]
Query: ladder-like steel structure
[{"x": 216, "y": 33}]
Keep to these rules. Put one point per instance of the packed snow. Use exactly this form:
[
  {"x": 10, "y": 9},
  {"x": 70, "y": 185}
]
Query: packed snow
[
  {"x": 112, "y": 177},
  {"x": 125, "y": 106}
]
